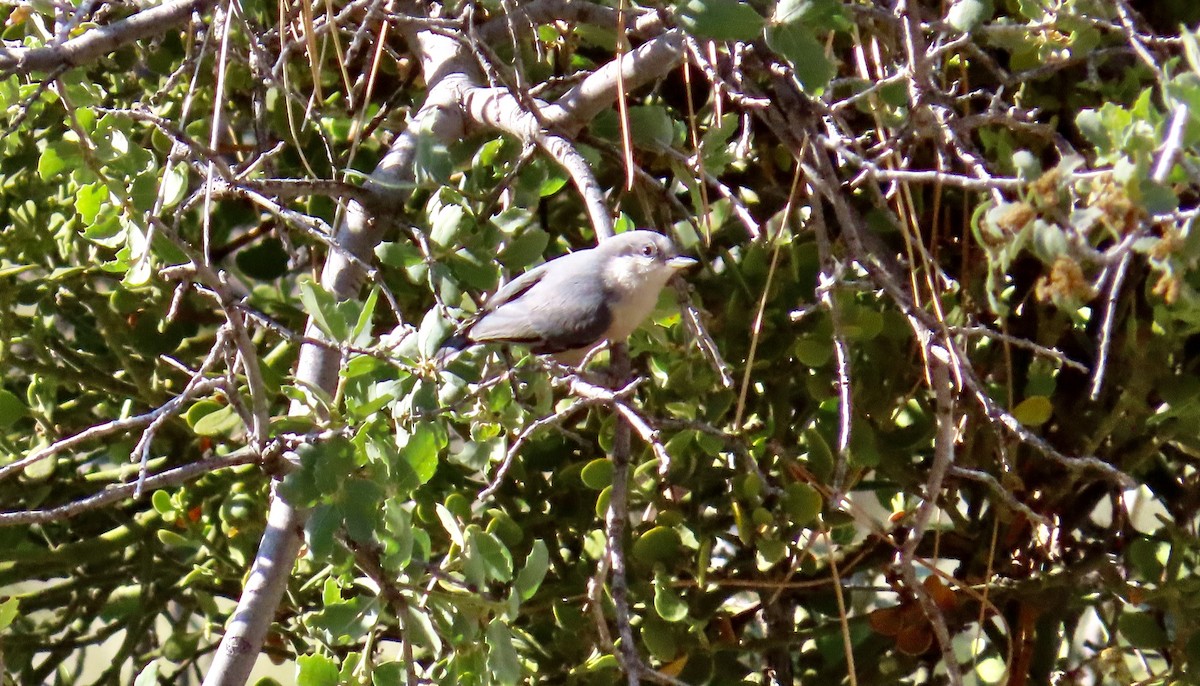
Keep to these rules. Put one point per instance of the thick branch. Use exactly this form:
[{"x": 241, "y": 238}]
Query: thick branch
[
  {"x": 318, "y": 365},
  {"x": 101, "y": 41},
  {"x": 648, "y": 62}
]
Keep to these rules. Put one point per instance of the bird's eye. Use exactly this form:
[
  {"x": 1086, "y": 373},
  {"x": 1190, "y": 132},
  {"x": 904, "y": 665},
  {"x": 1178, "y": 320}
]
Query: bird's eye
[{"x": 648, "y": 250}]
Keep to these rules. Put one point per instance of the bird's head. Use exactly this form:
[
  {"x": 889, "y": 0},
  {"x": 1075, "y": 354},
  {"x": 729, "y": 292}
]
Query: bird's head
[{"x": 640, "y": 259}]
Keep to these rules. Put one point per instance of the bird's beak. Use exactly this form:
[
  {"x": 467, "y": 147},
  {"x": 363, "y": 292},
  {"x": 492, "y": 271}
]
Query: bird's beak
[{"x": 680, "y": 262}]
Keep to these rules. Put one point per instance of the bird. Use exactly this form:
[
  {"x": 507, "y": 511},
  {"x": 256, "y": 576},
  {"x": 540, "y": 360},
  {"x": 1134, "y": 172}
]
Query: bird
[{"x": 565, "y": 307}]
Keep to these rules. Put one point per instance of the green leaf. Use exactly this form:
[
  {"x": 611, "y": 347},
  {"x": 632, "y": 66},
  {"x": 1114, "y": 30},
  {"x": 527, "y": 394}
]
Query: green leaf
[
  {"x": 813, "y": 351},
  {"x": 345, "y": 623},
  {"x": 143, "y": 192},
  {"x": 161, "y": 500},
  {"x": 360, "y": 334},
  {"x": 827, "y": 14},
  {"x": 323, "y": 466},
  {"x": 421, "y": 452},
  {"x": 803, "y": 503},
  {"x": 650, "y": 126},
  {"x": 820, "y": 456},
  {"x": 721, "y": 19},
  {"x": 398, "y": 525},
  {"x": 502, "y": 659},
  {"x": 554, "y": 182},
  {"x": 660, "y": 544},
  {"x": 222, "y": 422},
  {"x": 597, "y": 474},
  {"x": 531, "y": 575},
  {"x": 1092, "y": 126},
  {"x": 967, "y": 15},
  {"x": 447, "y": 222},
  {"x": 1143, "y": 555},
  {"x": 1032, "y": 9},
  {"x": 1034, "y": 410},
  {"x": 8, "y": 612},
  {"x": 170, "y": 538},
  {"x": 1191, "y": 50},
  {"x": 497, "y": 561},
  {"x": 1158, "y": 198},
  {"x": 1142, "y": 630},
  {"x": 174, "y": 185},
  {"x": 602, "y": 502},
  {"x": 525, "y": 249},
  {"x": 361, "y": 502},
  {"x": 423, "y": 633},
  {"x": 658, "y": 638},
  {"x": 402, "y": 255},
  {"x": 57, "y": 157},
  {"x": 12, "y": 410},
  {"x": 199, "y": 410},
  {"x": 316, "y": 670},
  {"x": 799, "y": 46},
  {"x": 388, "y": 674},
  {"x": 771, "y": 550},
  {"x": 320, "y": 305},
  {"x": 433, "y": 161},
  {"x": 433, "y": 332},
  {"x": 667, "y": 602},
  {"x": 89, "y": 199},
  {"x": 861, "y": 323},
  {"x": 320, "y": 530},
  {"x": 450, "y": 524}
]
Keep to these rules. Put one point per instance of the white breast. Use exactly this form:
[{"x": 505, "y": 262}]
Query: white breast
[{"x": 633, "y": 309}]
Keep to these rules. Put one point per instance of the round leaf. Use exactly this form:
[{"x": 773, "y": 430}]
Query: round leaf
[
  {"x": 721, "y": 19},
  {"x": 660, "y": 544}
]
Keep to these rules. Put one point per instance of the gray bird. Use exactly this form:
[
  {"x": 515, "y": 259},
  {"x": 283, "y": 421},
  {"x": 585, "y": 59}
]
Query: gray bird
[{"x": 566, "y": 306}]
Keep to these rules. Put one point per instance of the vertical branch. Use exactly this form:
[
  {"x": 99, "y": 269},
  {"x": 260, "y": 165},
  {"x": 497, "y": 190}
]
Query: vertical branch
[
  {"x": 317, "y": 366},
  {"x": 829, "y": 276},
  {"x": 943, "y": 456},
  {"x": 843, "y": 615},
  {"x": 1162, "y": 168},
  {"x": 622, "y": 106},
  {"x": 247, "y": 628},
  {"x": 618, "y": 519}
]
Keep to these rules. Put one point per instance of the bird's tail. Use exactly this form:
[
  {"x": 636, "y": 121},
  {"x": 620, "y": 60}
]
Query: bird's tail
[{"x": 450, "y": 349}]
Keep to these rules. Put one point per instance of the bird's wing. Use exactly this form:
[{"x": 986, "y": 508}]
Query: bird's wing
[
  {"x": 513, "y": 290},
  {"x": 551, "y": 310},
  {"x": 516, "y": 288},
  {"x": 576, "y": 322}
]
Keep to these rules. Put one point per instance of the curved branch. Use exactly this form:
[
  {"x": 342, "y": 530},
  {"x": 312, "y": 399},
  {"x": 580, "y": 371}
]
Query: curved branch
[
  {"x": 499, "y": 109},
  {"x": 454, "y": 102},
  {"x": 342, "y": 276},
  {"x": 101, "y": 41},
  {"x": 645, "y": 25},
  {"x": 648, "y": 62}
]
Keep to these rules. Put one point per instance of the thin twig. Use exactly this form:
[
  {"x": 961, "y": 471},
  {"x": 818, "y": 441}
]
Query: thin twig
[
  {"x": 1162, "y": 169},
  {"x": 527, "y": 433},
  {"x": 943, "y": 457},
  {"x": 829, "y": 278},
  {"x": 617, "y": 521},
  {"x": 113, "y": 494},
  {"x": 1019, "y": 342},
  {"x": 843, "y": 613}
]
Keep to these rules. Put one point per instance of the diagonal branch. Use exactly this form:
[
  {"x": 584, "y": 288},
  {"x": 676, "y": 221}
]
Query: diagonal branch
[
  {"x": 97, "y": 42},
  {"x": 116, "y": 493}
]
